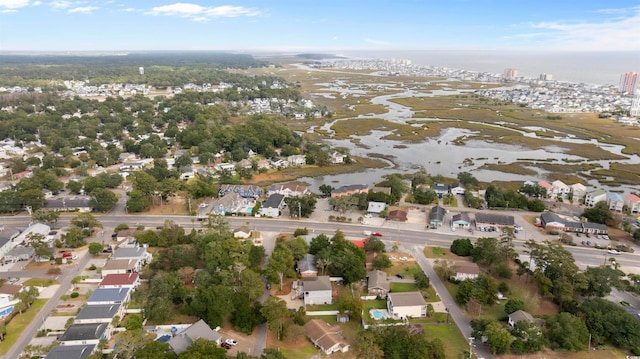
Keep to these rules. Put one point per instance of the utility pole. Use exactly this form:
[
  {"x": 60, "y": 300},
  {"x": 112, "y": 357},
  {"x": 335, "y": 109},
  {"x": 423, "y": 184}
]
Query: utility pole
[{"x": 299, "y": 210}]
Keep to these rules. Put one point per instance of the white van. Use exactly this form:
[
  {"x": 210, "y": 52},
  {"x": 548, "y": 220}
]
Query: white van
[{"x": 367, "y": 233}]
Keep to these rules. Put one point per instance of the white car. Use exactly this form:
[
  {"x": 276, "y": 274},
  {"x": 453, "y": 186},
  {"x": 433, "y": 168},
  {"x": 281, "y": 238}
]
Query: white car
[
  {"x": 404, "y": 259},
  {"x": 613, "y": 251},
  {"x": 231, "y": 342},
  {"x": 366, "y": 233}
]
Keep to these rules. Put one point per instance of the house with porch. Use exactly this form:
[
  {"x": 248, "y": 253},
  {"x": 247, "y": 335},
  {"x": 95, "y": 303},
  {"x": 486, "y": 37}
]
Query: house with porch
[
  {"x": 272, "y": 206},
  {"x": 405, "y": 305},
  {"x": 71, "y": 351},
  {"x": 461, "y": 220},
  {"x": 85, "y": 334},
  {"x": 317, "y": 290},
  {"x": 595, "y": 196},
  {"x": 378, "y": 283},
  {"x": 615, "y": 202},
  {"x": 436, "y": 216},
  {"x": 326, "y": 337},
  {"x": 632, "y": 202}
]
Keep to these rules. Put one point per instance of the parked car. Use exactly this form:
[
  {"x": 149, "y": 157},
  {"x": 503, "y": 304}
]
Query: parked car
[
  {"x": 226, "y": 345},
  {"x": 230, "y": 341},
  {"x": 107, "y": 250},
  {"x": 401, "y": 276}
]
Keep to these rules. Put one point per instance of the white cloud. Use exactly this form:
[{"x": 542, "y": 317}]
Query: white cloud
[
  {"x": 83, "y": 10},
  {"x": 60, "y": 4},
  {"x": 617, "y": 33},
  {"x": 36, "y": 3},
  {"x": 8, "y": 11},
  {"x": 129, "y": 9},
  {"x": 13, "y": 4},
  {"x": 199, "y": 13}
]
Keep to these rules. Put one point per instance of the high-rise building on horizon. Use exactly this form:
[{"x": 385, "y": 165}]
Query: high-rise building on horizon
[
  {"x": 510, "y": 74},
  {"x": 141, "y": 70},
  {"x": 629, "y": 83},
  {"x": 546, "y": 77}
]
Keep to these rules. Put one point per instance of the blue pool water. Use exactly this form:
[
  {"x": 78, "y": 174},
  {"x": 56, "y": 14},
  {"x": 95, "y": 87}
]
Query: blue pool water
[{"x": 378, "y": 314}]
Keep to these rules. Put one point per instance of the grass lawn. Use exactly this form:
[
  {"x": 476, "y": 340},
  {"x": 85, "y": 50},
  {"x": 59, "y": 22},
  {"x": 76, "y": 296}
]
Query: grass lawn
[
  {"x": 454, "y": 341},
  {"x": 403, "y": 287},
  {"x": 408, "y": 269},
  {"x": 19, "y": 323},
  {"x": 374, "y": 304},
  {"x": 322, "y": 307},
  {"x": 441, "y": 253},
  {"x": 40, "y": 282}
]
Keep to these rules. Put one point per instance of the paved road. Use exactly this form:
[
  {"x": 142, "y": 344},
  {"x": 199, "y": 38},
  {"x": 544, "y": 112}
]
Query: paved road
[{"x": 455, "y": 312}]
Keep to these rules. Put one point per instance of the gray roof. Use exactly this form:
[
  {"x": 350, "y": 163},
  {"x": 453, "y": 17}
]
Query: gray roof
[
  {"x": 406, "y": 299},
  {"x": 197, "y": 330},
  {"x": 498, "y": 219},
  {"x": 464, "y": 217},
  {"x": 378, "y": 279},
  {"x": 3, "y": 241},
  {"x": 113, "y": 295},
  {"x": 70, "y": 352},
  {"x": 103, "y": 311},
  {"x": 437, "y": 213},
  {"x": 521, "y": 315},
  {"x": 91, "y": 331},
  {"x": 307, "y": 264},
  {"x": 20, "y": 250},
  {"x": 125, "y": 253},
  {"x": 274, "y": 201},
  {"x": 316, "y": 283},
  {"x": 67, "y": 203},
  {"x": 350, "y": 187}
]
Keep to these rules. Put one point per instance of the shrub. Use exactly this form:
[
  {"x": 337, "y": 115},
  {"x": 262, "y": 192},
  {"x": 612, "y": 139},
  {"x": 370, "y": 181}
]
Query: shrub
[
  {"x": 503, "y": 271},
  {"x": 74, "y": 295},
  {"x": 513, "y": 305},
  {"x": 301, "y": 232},
  {"x": 462, "y": 247},
  {"x": 92, "y": 267}
]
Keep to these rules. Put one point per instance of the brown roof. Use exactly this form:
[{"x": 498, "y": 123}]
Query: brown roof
[
  {"x": 323, "y": 334},
  {"x": 120, "y": 279},
  {"x": 10, "y": 289},
  {"x": 406, "y": 299},
  {"x": 120, "y": 264},
  {"x": 397, "y": 213},
  {"x": 467, "y": 268}
]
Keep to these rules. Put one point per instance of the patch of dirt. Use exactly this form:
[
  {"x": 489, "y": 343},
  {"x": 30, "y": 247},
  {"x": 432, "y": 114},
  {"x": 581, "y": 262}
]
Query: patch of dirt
[{"x": 175, "y": 205}]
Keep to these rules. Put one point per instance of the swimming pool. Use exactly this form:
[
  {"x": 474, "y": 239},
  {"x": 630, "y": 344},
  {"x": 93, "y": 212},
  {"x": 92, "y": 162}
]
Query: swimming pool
[{"x": 378, "y": 314}]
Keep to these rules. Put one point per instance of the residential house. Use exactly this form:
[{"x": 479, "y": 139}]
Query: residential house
[
  {"x": 198, "y": 330},
  {"x": 6, "y": 245},
  {"x": 229, "y": 203},
  {"x": 328, "y": 338},
  {"x": 105, "y": 296},
  {"x": 349, "y": 190},
  {"x": 490, "y": 221},
  {"x": 578, "y": 191},
  {"x": 8, "y": 299},
  {"x": 385, "y": 190},
  {"x": 19, "y": 253},
  {"x": 436, "y": 216},
  {"x": 466, "y": 270},
  {"x": 615, "y": 202},
  {"x": 245, "y": 163},
  {"x": 376, "y": 207},
  {"x": 126, "y": 280},
  {"x": 103, "y": 313},
  {"x": 187, "y": 173},
  {"x": 560, "y": 189},
  {"x": 457, "y": 189},
  {"x": 139, "y": 254},
  {"x": 132, "y": 166},
  {"x": 632, "y": 202},
  {"x": 406, "y": 305},
  {"x": 244, "y": 191},
  {"x": 85, "y": 334},
  {"x": 549, "y": 187},
  {"x": 242, "y": 233},
  {"x": 317, "y": 290},
  {"x": 307, "y": 266},
  {"x": 69, "y": 204},
  {"x": 440, "y": 189},
  {"x": 518, "y": 316},
  {"x": 272, "y": 206},
  {"x": 378, "y": 283},
  {"x": 297, "y": 160},
  {"x": 594, "y": 197},
  {"x": 71, "y": 351},
  {"x": 290, "y": 189},
  {"x": 277, "y": 162},
  {"x": 256, "y": 238},
  {"x": 397, "y": 213},
  {"x": 120, "y": 266},
  {"x": 337, "y": 158},
  {"x": 461, "y": 220},
  {"x": 263, "y": 164}
]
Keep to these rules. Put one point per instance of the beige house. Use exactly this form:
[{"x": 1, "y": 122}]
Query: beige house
[
  {"x": 406, "y": 305},
  {"x": 328, "y": 338},
  {"x": 466, "y": 270},
  {"x": 378, "y": 283}
]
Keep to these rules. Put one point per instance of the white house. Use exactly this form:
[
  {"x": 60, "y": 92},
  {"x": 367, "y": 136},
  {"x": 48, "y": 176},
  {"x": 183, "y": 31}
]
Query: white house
[
  {"x": 297, "y": 160},
  {"x": 83, "y": 334},
  {"x": 560, "y": 189},
  {"x": 632, "y": 202},
  {"x": 466, "y": 270},
  {"x": 272, "y": 206},
  {"x": 406, "y": 305},
  {"x": 327, "y": 338},
  {"x": 594, "y": 197},
  {"x": 457, "y": 189},
  {"x": 615, "y": 202},
  {"x": 317, "y": 290},
  {"x": 578, "y": 191},
  {"x": 337, "y": 158}
]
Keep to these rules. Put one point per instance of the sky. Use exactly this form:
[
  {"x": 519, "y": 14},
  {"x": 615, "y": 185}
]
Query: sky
[{"x": 319, "y": 25}]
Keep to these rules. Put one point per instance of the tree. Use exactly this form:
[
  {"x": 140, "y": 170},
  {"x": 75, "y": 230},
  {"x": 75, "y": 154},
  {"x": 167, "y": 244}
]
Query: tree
[
  {"x": 95, "y": 248},
  {"x": 565, "y": 331},
  {"x": 301, "y": 206},
  {"x": 599, "y": 213},
  {"x": 28, "y": 296},
  {"x": 103, "y": 199},
  {"x": 462, "y": 247},
  {"x": 74, "y": 238},
  {"x": 133, "y": 322},
  {"x": 367, "y": 346},
  {"x": 274, "y": 311},
  {"x": 203, "y": 349},
  {"x": 86, "y": 220},
  {"x": 528, "y": 337},
  {"x": 130, "y": 341},
  {"x": 251, "y": 284},
  {"x": 381, "y": 261},
  {"x": 600, "y": 280},
  {"x": 298, "y": 246},
  {"x": 374, "y": 244},
  {"x": 513, "y": 305},
  {"x": 318, "y": 243},
  {"x": 609, "y": 321},
  {"x": 325, "y": 189},
  {"x": 272, "y": 353},
  {"x": 137, "y": 202},
  {"x": 498, "y": 338},
  {"x": 280, "y": 264},
  {"x": 44, "y": 215},
  {"x": 468, "y": 180},
  {"x": 422, "y": 281},
  {"x": 74, "y": 186},
  {"x": 155, "y": 350}
]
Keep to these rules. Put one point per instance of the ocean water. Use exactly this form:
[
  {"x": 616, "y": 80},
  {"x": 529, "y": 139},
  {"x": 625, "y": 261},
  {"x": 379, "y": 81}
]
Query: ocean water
[{"x": 599, "y": 68}]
